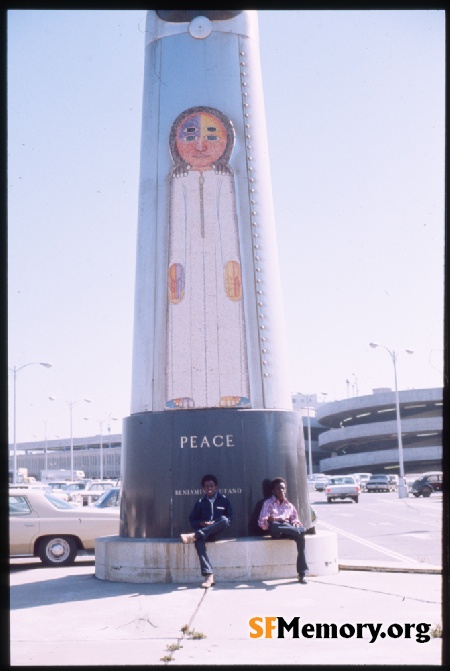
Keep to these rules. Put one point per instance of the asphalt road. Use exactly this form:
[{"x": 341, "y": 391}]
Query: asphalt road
[
  {"x": 380, "y": 527},
  {"x": 383, "y": 527}
]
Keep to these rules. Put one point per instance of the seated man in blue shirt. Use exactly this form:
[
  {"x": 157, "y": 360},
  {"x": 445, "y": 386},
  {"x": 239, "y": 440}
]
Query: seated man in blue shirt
[
  {"x": 211, "y": 515},
  {"x": 280, "y": 518}
]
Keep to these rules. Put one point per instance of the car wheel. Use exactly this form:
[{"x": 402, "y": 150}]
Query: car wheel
[
  {"x": 57, "y": 550},
  {"x": 416, "y": 495},
  {"x": 356, "y": 499},
  {"x": 329, "y": 500},
  {"x": 426, "y": 491}
]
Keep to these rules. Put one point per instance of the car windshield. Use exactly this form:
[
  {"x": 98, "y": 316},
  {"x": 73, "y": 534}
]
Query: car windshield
[
  {"x": 379, "y": 477},
  {"x": 59, "y": 503},
  {"x": 100, "y": 485}
]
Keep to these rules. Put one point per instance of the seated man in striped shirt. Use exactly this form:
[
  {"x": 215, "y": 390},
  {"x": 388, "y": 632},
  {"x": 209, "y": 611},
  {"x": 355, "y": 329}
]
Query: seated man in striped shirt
[{"x": 280, "y": 519}]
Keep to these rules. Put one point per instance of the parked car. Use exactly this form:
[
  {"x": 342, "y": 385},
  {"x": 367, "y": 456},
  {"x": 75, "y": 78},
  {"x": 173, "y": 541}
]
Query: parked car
[
  {"x": 73, "y": 490},
  {"x": 76, "y": 485},
  {"x": 109, "y": 499},
  {"x": 379, "y": 483},
  {"x": 393, "y": 479},
  {"x": 342, "y": 487},
  {"x": 361, "y": 479},
  {"x": 42, "y": 487},
  {"x": 56, "y": 484},
  {"x": 411, "y": 478},
  {"x": 44, "y": 526},
  {"x": 320, "y": 480},
  {"x": 427, "y": 485},
  {"x": 94, "y": 490}
]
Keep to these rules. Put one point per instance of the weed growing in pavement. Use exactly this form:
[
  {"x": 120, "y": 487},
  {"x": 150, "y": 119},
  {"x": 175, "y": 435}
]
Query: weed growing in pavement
[
  {"x": 191, "y": 633},
  {"x": 167, "y": 658},
  {"x": 170, "y": 648}
]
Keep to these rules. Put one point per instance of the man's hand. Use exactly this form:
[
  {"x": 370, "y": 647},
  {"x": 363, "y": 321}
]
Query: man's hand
[{"x": 206, "y": 524}]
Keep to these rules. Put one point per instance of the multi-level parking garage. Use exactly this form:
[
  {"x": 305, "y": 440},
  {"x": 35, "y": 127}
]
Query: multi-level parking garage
[
  {"x": 362, "y": 433},
  {"x": 358, "y": 434}
]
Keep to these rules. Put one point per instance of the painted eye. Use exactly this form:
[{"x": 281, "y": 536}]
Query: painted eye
[
  {"x": 191, "y": 129},
  {"x": 190, "y": 138},
  {"x": 211, "y": 129},
  {"x": 212, "y": 137}
]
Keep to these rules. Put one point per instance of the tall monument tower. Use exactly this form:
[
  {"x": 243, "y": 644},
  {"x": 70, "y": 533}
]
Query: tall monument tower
[{"x": 210, "y": 390}]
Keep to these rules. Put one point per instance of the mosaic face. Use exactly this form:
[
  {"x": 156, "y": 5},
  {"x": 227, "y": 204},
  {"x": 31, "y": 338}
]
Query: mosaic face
[{"x": 201, "y": 140}]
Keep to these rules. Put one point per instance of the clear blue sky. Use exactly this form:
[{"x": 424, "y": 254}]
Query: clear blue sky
[{"x": 355, "y": 114}]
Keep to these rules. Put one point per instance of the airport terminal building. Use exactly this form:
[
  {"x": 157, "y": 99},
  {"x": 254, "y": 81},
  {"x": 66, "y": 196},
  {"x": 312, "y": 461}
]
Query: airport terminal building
[{"x": 358, "y": 434}]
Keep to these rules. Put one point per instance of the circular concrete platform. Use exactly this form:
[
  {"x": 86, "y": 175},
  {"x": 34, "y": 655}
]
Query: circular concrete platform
[{"x": 161, "y": 560}]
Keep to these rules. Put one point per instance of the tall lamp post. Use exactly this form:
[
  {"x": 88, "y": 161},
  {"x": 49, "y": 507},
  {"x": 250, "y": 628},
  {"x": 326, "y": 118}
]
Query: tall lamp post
[
  {"x": 46, "y": 445},
  {"x": 70, "y": 404},
  {"x": 355, "y": 384},
  {"x": 110, "y": 419},
  {"x": 100, "y": 424},
  {"x": 307, "y": 399},
  {"x": 402, "y": 489},
  {"x": 16, "y": 370}
]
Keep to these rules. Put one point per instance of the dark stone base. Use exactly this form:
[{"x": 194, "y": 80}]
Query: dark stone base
[{"x": 165, "y": 455}]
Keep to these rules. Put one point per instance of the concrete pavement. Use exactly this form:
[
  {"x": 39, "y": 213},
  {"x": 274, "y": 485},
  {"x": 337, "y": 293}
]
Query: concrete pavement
[{"x": 67, "y": 617}]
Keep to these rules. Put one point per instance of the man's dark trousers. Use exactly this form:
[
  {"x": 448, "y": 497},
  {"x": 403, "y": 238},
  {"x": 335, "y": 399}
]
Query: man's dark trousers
[
  {"x": 209, "y": 533},
  {"x": 286, "y": 530}
]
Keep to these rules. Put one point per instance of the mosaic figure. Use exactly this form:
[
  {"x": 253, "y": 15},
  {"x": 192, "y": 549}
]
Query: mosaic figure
[{"x": 206, "y": 363}]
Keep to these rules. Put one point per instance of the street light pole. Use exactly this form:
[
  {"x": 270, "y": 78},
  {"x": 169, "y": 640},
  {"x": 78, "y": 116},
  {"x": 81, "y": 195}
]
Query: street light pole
[
  {"x": 71, "y": 404},
  {"x": 347, "y": 382},
  {"x": 46, "y": 445},
  {"x": 100, "y": 423},
  {"x": 355, "y": 384},
  {"x": 402, "y": 488},
  {"x": 310, "y": 468},
  {"x": 309, "y": 443},
  {"x": 110, "y": 419},
  {"x": 15, "y": 372}
]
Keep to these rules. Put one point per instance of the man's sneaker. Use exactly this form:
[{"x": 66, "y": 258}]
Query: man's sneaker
[
  {"x": 209, "y": 582},
  {"x": 301, "y": 579},
  {"x": 187, "y": 538}
]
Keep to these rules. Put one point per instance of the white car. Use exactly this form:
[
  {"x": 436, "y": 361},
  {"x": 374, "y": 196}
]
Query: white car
[
  {"x": 42, "y": 487},
  {"x": 94, "y": 490},
  {"x": 42, "y": 525},
  {"x": 342, "y": 487}
]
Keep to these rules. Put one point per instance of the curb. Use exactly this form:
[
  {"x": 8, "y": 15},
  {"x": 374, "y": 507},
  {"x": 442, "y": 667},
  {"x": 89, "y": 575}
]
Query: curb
[{"x": 391, "y": 569}]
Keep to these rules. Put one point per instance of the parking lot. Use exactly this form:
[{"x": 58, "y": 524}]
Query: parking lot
[{"x": 382, "y": 526}]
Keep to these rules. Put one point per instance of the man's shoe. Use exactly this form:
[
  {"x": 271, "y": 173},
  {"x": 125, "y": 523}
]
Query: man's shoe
[
  {"x": 301, "y": 579},
  {"x": 209, "y": 582},
  {"x": 187, "y": 538}
]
